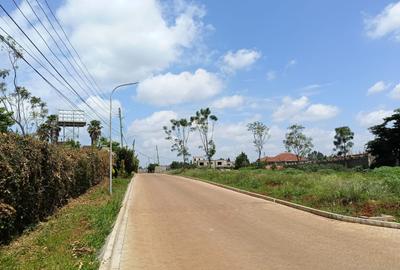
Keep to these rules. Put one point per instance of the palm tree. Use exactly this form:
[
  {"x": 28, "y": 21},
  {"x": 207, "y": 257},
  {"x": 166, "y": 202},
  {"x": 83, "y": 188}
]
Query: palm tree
[
  {"x": 94, "y": 130},
  {"x": 49, "y": 131}
]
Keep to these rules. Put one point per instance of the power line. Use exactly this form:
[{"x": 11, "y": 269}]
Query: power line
[
  {"x": 91, "y": 86},
  {"x": 56, "y": 70},
  {"x": 44, "y": 78},
  {"x": 73, "y": 48},
  {"x": 73, "y": 105},
  {"x": 48, "y": 46}
]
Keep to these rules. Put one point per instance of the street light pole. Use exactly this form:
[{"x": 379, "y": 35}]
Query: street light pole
[{"x": 112, "y": 92}]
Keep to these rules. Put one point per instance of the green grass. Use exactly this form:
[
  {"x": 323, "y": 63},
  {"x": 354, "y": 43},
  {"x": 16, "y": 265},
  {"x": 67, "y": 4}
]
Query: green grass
[
  {"x": 71, "y": 238},
  {"x": 369, "y": 193}
]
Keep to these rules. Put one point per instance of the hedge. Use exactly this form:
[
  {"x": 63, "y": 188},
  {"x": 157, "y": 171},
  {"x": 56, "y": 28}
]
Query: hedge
[{"x": 36, "y": 178}]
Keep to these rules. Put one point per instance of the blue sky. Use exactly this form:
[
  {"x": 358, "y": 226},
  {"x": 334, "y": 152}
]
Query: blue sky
[{"x": 322, "y": 64}]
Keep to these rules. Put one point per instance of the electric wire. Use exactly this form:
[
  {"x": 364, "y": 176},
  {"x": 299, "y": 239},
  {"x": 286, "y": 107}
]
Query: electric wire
[
  {"x": 86, "y": 80},
  {"x": 49, "y": 47},
  {"x": 73, "y": 48},
  {"x": 73, "y": 105},
  {"x": 48, "y": 61}
]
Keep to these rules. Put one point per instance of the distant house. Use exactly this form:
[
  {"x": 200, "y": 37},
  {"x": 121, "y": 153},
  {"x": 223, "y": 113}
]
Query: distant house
[
  {"x": 217, "y": 164},
  {"x": 282, "y": 159}
]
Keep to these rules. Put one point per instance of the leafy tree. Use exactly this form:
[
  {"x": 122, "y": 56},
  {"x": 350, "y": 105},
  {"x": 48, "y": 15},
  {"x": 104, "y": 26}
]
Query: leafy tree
[
  {"x": 241, "y": 161},
  {"x": 260, "y": 134},
  {"x": 152, "y": 167},
  {"x": 94, "y": 129},
  {"x": 385, "y": 147},
  {"x": 6, "y": 120},
  {"x": 343, "y": 141},
  {"x": 126, "y": 162},
  {"x": 316, "y": 156},
  {"x": 27, "y": 111},
  {"x": 104, "y": 142},
  {"x": 49, "y": 131},
  {"x": 204, "y": 122},
  {"x": 178, "y": 134},
  {"x": 297, "y": 142}
]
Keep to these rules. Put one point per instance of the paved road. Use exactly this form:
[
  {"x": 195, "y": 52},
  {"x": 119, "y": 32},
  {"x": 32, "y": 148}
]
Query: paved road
[{"x": 176, "y": 223}]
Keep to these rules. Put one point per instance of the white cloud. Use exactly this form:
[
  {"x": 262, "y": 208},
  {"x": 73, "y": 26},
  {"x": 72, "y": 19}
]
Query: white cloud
[
  {"x": 317, "y": 112},
  {"x": 395, "y": 93},
  {"x": 302, "y": 110},
  {"x": 234, "y": 101},
  {"x": 169, "y": 88},
  {"x": 241, "y": 59},
  {"x": 290, "y": 64},
  {"x": 148, "y": 133},
  {"x": 271, "y": 75},
  {"x": 369, "y": 119},
  {"x": 377, "y": 88},
  {"x": 386, "y": 23},
  {"x": 151, "y": 124},
  {"x": 132, "y": 39}
]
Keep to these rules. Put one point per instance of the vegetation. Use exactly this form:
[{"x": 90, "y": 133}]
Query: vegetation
[
  {"x": 342, "y": 191},
  {"x": 316, "y": 156},
  {"x": 6, "y": 120},
  {"x": 298, "y": 143},
  {"x": 49, "y": 131},
  {"x": 204, "y": 122},
  {"x": 260, "y": 134},
  {"x": 386, "y": 145},
  {"x": 37, "y": 178},
  {"x": 70, "y": 239},
  {"x": 26, "y": 111},
  {"x": 178, "y": 134},
  {"x": 241, "y": 161},
  {"x": 126, "y": 160},
  {"x": 94, "y": 129},
  {"x": 152, "y": 167},
  {"x": 343, "y": 141}
]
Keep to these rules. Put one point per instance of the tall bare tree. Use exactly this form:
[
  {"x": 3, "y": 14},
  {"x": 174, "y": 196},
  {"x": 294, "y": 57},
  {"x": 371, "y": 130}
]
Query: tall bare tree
[
  {"x": 28, "y": 111},
  {"x": 178, "y": 134},
  {"x": 204, "y": 122},
  {"x": 260, "y": 135},
  {"x": 343, "y": 142}
]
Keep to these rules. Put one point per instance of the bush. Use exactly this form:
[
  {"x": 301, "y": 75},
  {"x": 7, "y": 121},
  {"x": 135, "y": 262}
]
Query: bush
[{"x": 36, "y": 178}]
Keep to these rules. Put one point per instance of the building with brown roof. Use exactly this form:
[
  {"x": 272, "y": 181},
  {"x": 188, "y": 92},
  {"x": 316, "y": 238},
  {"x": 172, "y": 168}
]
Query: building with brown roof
[{"x": 283, "y": 158}]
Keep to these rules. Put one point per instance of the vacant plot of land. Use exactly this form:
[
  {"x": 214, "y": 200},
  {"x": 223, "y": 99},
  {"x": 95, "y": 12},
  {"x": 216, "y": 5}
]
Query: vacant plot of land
[
  {"x": 70, "y": 239},
  {"x": 368, "y": 193}
]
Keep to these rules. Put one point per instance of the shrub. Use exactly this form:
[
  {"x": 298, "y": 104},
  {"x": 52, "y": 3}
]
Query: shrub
[{"x": 36, "y": 178}]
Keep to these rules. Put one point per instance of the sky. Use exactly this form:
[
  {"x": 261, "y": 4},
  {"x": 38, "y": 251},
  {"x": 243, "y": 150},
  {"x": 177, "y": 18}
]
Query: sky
[{"x": 321, "y": 64}]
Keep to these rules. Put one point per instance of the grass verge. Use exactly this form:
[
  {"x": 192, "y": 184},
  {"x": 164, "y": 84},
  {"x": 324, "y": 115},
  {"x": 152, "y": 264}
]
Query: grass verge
[
  {"x": 350, "y": 193},
  {"x": 71, "y": 238}
]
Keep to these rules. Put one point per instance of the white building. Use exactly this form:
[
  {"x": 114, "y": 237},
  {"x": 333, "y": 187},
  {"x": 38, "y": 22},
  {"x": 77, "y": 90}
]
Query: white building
[{"x": 216, "y": 164}]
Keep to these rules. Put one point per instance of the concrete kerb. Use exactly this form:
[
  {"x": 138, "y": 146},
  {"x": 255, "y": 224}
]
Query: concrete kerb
[
  {"x": 386, "y": 224},
  {"x": 111, "y": 251}
]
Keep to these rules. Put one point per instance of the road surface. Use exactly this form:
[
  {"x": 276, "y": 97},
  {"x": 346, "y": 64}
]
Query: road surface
[{"x": 175, "y": 223}]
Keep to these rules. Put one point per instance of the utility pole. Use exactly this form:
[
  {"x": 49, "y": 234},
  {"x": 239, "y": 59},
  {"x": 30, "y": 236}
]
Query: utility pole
[
  {"x": 120, "y": 127},
  {"x": 158, "y": 157}
]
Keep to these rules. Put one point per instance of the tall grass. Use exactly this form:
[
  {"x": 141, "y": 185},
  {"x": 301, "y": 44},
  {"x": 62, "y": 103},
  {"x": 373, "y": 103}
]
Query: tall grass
[{"x": 368, "y": 193}]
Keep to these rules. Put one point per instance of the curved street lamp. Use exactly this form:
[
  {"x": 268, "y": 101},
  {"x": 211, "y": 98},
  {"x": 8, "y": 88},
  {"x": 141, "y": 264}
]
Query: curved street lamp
[{"x": 112, "y": 92}]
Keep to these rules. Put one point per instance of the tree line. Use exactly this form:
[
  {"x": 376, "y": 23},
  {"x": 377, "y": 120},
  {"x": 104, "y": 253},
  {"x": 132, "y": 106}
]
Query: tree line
[{"x": 385, "y": 147}]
